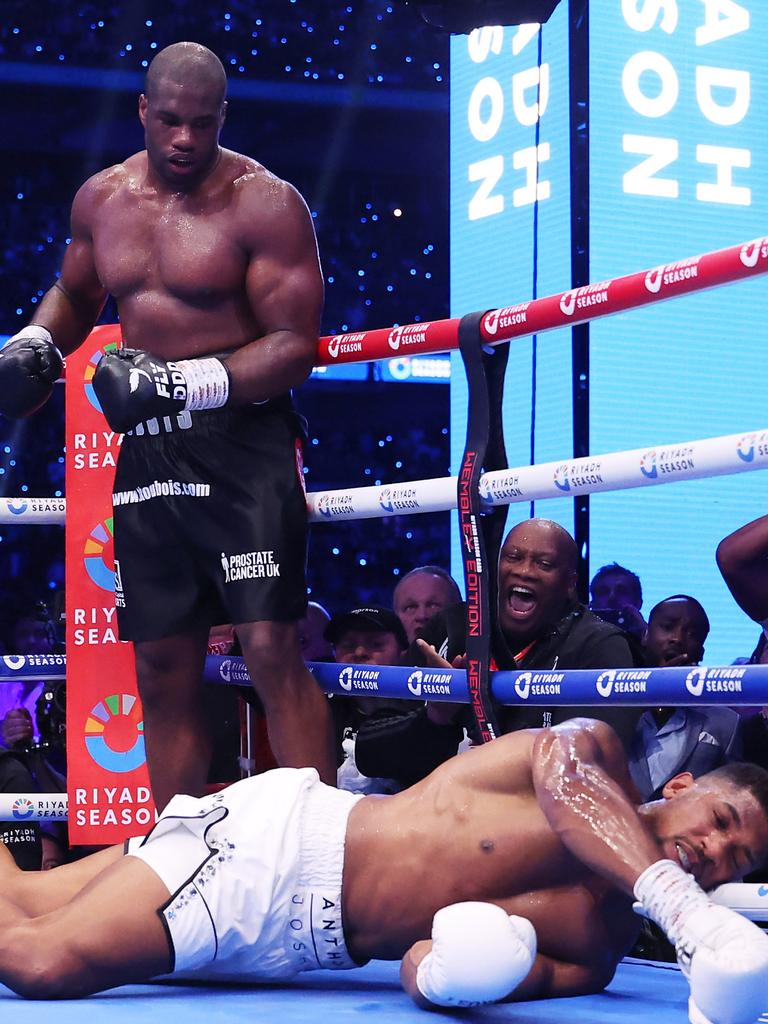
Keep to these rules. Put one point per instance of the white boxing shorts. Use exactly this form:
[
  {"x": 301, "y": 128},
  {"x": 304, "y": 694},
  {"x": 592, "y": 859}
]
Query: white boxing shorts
[{"x": 255, "y": 876}]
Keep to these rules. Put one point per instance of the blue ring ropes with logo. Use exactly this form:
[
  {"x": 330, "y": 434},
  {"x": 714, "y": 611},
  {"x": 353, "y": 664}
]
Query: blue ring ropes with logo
[{"x": 685, "y": 685}]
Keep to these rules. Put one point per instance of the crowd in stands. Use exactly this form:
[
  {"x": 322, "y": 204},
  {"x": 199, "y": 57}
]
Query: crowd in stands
[{"x": 294, "y": 41}]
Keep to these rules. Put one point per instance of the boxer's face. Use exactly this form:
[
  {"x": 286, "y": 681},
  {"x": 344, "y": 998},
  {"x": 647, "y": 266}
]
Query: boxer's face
[
  {"x": 714, "y": 829},
  {"x": 182, "y": 123}
]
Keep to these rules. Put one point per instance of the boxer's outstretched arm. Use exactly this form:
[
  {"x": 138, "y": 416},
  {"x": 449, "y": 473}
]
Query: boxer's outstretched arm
[
  {"x": 72, "y": 306},
  {"x": 583, "y": 787}
]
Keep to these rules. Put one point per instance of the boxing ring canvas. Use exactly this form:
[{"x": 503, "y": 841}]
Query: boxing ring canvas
[{"x": 639, "y": 992}]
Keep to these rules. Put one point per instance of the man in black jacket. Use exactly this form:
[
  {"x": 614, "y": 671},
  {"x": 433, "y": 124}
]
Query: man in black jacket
[{"x": 539, "y": 624}]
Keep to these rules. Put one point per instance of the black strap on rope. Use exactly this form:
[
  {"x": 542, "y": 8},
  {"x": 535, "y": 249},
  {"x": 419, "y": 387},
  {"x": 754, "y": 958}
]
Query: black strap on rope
[{"x": 480, "y": 535}]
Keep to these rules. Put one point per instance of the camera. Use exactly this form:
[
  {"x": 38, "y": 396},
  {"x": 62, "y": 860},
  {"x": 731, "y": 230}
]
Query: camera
[{"x": 51, "y": 715}]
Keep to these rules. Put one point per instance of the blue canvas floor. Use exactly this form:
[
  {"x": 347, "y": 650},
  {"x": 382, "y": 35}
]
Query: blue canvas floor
[{"x": 639, "y": 993}]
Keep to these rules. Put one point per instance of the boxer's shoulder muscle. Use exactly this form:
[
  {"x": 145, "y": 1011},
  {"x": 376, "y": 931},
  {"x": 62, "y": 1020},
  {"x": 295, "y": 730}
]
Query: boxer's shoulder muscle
[
  {"x": 99, "y": 188},
  {"x": 269, "y": 209}
]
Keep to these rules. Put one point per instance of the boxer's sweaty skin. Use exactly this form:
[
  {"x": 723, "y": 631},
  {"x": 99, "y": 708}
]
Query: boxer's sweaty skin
[
  {"x": 474, "y": 830},
  {"x": 205, "y": 251},
  {"x": 543, "y": 823}
]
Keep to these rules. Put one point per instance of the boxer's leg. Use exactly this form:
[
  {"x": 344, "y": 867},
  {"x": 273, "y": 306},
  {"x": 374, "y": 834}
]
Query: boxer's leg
[
  {"x": 297, "y": 711},
  {"x": 109, "y": 934},
  {"x": 40, "y": 892},
  {"x": 178, "y": 743}
]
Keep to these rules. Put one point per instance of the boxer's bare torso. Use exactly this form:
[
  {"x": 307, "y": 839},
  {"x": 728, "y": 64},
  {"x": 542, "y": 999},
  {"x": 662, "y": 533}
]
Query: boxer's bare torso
[
  {"x": 474, "y": 831},
  {"x": 179, "y": 263}
]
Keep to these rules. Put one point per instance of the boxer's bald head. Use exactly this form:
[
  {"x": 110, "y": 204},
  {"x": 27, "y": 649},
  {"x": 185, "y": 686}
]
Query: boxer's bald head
[{"x": 187, "y": 64}]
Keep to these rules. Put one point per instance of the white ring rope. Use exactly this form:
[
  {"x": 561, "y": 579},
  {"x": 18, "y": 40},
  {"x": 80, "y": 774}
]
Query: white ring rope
[{"x": 615, "y": 471}]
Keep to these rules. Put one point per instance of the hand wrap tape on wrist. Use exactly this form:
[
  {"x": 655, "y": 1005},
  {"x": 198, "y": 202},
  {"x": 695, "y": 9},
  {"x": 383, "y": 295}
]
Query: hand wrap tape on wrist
[
  {"x": 667, "y": 894},
  {"x": 207, "y": 383}
]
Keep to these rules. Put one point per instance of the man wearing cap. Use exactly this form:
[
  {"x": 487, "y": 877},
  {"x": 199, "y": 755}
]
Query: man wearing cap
[{"x": 370, "y": 635}]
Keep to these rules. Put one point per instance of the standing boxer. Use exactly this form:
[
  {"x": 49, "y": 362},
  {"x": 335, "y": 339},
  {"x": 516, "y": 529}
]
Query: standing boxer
[{"x": 213, "y": 263}]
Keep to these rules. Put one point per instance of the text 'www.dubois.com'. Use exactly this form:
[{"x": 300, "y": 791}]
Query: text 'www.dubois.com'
[{"x": 161, "y": 489}]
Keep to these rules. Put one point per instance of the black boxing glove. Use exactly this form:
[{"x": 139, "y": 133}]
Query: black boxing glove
[
  {"x": 30, "y": 364},
  {"x": 133, "y": 386}
]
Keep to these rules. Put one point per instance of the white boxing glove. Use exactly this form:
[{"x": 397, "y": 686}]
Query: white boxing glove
[
  {"x": 479, "y": 954},
  {"x": 723, "y": 955},
  {"x": 725, "y": 958}
]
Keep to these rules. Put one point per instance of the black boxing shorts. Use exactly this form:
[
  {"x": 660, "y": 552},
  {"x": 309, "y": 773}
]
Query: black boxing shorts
[{"x": 210, "y": 521}]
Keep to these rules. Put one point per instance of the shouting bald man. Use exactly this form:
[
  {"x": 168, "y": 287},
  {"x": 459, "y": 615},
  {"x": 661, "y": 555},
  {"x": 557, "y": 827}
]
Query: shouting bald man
[
  {"x": 213, "y": 263},
  {"x": 540, "y": 624}
]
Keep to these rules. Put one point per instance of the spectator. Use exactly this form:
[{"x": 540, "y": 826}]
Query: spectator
[
  {"x": 27, "y": 629},
  {"x": 364, "y": 636},
  {"x": 754, "y": 735},
  {"x": 422, "y": 593},
  {"x": 540, "y": 624},
  {"x": 677, "y": 741},
  {"x": 677, "y": 629},
  {"x": 682, "y": 741},
  {"x": 312, "y": 640},
  {"x": 617, "y": 597},
  {"x": 38, "y": 767},
  {"x": 367, "y": 636},
  {"x": 742, "y": 558}
]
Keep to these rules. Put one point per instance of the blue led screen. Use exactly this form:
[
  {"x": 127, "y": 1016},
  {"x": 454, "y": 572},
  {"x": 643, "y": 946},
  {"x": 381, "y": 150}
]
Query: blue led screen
[
  {"x": 678, "y": 152},
  {"x": 678, "y": 147},
  {"x": 510, "y": 237}
]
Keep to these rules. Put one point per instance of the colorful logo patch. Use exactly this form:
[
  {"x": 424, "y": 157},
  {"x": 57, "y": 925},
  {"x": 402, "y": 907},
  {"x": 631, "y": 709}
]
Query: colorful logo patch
[
  {"x": 22, "y": 808},
  {"x": 99, "y": 556},
  {"x": 114, "y": 733}
]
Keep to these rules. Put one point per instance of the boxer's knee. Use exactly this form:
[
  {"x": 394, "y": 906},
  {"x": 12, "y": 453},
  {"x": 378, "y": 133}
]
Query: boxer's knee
[{"x": 273, "y": 657}]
